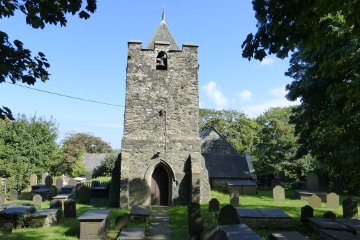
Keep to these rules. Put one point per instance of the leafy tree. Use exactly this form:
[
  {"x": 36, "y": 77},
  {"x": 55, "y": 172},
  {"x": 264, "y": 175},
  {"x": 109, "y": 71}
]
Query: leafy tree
[
  {"x": 79, "y": 169},
  {"x": 27, "y": 145},
  {"x": 107, "y": 165},
  {"x": 17, "y": 62},
  {"x": 324, "y": 38},
  {"x": 75, "y": 144}
]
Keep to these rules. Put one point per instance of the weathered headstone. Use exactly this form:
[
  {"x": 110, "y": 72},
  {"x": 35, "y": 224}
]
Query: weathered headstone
[
  {"x": 121, "y": 222},
  {"x": 14, "y": 195},
  {"x": 350, "y": 209},
  {"x": 56, "y": 203},
  {"x": 43, "y": 177},
  {"x": 332, "y": 200},
  {"x": 70, "y": 208},
  {"x": 228, "y": 215},
  {"x": 2, "y": 199},
  {"x": 71, "y": 182},
  {"x": 214, "y": 205},
  {"x": 193, "y": 208},
  {"x": 84, "y": 194},
  {"x": 88, "y": 176},
  {"x": 33, "y": 179},
  {"x": 37, "y": 201},
  {"x": 52, "y": 192},
  {"x": 59, "y": 183},
  {"x": 315, "y": 201},
  {"x": 278, "y": 194},
  {"x": 234, "y": 198},
  {"x": 306, "y": 212},
  {"x": 213, "y": 233},
  {"x": 7, "y": 227},
  {"x": 195, "y": 223},
  {"x": 48, "y": 181},
  {"x": 312, "y": 182},
  {"x": 329, "y": 215}
]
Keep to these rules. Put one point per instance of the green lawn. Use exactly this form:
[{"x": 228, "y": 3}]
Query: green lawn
[{"x": 69, "y": 228}]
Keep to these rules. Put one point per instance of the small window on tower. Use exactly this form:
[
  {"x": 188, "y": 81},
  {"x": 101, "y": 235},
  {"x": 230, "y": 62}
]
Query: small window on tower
[{"x": 161, "y": 61}]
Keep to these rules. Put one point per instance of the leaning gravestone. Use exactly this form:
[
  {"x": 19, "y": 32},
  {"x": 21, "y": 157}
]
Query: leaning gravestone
[
  {"x": 214, "y": 205},
  {"x": 59, "y": 183},
  {"x": 88, "y": 176},
  {"x": 306, "y": 212},
  {"x": 234, "y": 198},
  {"x": 278, "y": 194},
  {"x": 312, "y": 182},
  {"x": 350, "y": 209},
  {"x": 84, "y": 195},
  {"x": 37, "y": 201},
  {"x": 14, "y": 195},
  {"x": 329, "y": 215},
  {"x": 33, "y": 179},
  {"x": 70, "y": 208},
  {"x": 2, "y": 199},
  {"x": 315, "y": 201},
  {"x": 43, "y": 177},
  {"x": 48, "y": 181},
  {"x": 228, "y": 216},
  {"x": 332, "y": 200},
  {"x": 56, "y": 203},
  {"x": 121, "y": 222}
]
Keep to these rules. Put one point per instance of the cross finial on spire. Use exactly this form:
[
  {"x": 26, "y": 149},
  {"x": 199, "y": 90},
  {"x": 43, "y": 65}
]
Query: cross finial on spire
[{"x": 163, "y": 14}]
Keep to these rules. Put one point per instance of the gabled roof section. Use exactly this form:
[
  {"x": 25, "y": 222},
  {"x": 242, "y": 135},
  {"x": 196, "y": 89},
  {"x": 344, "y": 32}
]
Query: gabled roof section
[
  {"x": 213, "y": 142},
  {"x": 163, "y": 34}
]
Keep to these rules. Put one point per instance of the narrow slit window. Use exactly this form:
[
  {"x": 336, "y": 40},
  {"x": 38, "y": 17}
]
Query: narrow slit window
[{"x": 161, "y": 61}]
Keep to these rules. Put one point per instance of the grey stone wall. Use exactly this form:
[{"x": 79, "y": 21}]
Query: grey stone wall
[{"x": 171, "y": 138}]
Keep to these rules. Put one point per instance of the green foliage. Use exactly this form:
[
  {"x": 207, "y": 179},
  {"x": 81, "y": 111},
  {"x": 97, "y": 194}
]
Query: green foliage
[
  {"x": 79, "y": 170},
  {"x": 27, "y": 146},
  {"x": 75, "y": 144},
  {"x": 107, "y": 165},
  {"x": 16, "y": 62}
]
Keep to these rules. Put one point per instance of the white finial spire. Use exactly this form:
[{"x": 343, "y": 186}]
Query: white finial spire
[{"x": 163, "y": 14}]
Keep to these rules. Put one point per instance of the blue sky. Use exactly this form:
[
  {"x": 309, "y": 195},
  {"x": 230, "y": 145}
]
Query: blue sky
[{"x": 88, "y": 60}]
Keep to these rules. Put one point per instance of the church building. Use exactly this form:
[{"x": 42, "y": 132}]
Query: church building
[{"x": 161, "y": 161}]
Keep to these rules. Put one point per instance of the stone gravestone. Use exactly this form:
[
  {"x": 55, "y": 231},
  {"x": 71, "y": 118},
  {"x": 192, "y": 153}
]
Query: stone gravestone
[
  {"x": 84, "y": 194},
  {"x": 195, "y": 222},
  {"x": 213, "y": 233},
  {"x": 59, "y": 183},
  {"x": 71, "y": 182},
  {"x": 33, "y": 179},
  {"x": 193, "y": 208},
  {"x": 14, "y": 195},
  {"x": 306, "y": 212},
  {"x": 52, "y": 192},
  {"x": 329, "y": 215},
  {"x": 70, "y": 208},
  {"x": 48, "y": 181},
  {"x": 350, "y": 209},
  {"x": 312, "y": 182},
  {"x": 88, "y": 176},
  {"x": 56, "y": 203},
  {"x": 228, "y": 216},
  {"x": 121, "y": 222},
  {"x": 315, "y": 201},
  {"x": 278, "y": 194},
  {"x": 37, "y": 201},
  {"x": 332, "y": 200},
  {"x": 234, "y": 198},
  {"x": 214, "y": 205},
  {"x": 7, "y": 228},
  {"x": 282, "y": 176},
  {"x": 43, "y": 177},
  {"x": 2, "y": 199}
]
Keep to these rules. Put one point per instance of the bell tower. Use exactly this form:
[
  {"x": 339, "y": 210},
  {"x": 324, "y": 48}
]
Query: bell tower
[{"x": 161, "y": 162}]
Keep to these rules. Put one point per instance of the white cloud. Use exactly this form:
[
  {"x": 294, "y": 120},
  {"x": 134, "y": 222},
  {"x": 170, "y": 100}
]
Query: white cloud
[
  {"x": 245, "y": 95},
  {"x": 215, "y": 94},
  {"x": 278, "y": 100},
  {"x": 267, "y": 62}
]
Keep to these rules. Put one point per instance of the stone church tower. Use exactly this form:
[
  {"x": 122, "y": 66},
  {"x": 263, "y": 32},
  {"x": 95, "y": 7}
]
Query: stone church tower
[{"x": 161, "y": 162}]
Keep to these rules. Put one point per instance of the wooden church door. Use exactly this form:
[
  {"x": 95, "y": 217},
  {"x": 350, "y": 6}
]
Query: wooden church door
[{"x": 160, "y": 186}]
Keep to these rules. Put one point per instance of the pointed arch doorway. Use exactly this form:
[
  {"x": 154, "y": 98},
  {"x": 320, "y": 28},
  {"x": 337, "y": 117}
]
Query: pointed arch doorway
[{"x": 160, "y": 186}]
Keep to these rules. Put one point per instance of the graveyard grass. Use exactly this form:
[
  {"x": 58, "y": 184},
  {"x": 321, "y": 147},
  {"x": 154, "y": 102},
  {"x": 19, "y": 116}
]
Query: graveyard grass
[{"x": 68, "y": 229}]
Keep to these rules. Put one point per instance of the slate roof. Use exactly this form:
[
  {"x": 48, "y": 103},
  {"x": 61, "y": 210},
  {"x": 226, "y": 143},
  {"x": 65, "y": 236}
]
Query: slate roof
[
  {"x": 227, "y": 165},
  {"x": 91, "y": 161},
  {"x": 163, "y": 34}
]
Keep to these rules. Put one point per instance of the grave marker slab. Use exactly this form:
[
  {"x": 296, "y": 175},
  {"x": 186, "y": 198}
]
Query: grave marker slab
[
  {"x": 56, "y": 203},
  {"x": 239, "y": 231},
  {"x": 350, "y": 209},
  {"x": 306, "y": 212},
  {"x": 33, "y": 179},
  {"x": 71, "y": 182},
  {"x": 14, "y": 195},
  {"x": 228, "y": 216},
  {"x": 279, "y": 194},
  {"x": 312, "y": 182},
  {"x": 84, "y": 194},
  {"x": 214, "y": 205},
  {"x": 48, "y": 181},
  {"x": 132, "y": 234},
  {"x": 59, "y": 183},
  {"x": 37, "y": 201},
  {"x": 43, "y": 177},
  {"x": 70, "y": 208},
  {"x": 139, "y": 214},
  {"x": 94, "y": 224},
  {"x": 45, "y": 218},
  {"x": 288, "y": 236},
  {"x": 332, "y": 201},
  {"x": 315, "y": 201},
  {"x": 213, "y": 233},
  {"x": 337, "y": 235},
  {"x": 234, "y": 198}
]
